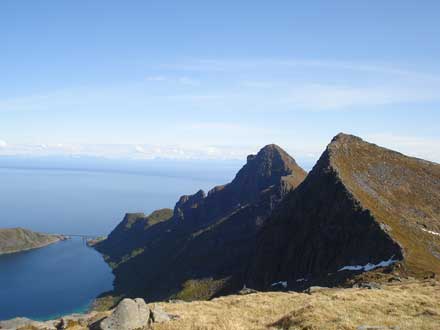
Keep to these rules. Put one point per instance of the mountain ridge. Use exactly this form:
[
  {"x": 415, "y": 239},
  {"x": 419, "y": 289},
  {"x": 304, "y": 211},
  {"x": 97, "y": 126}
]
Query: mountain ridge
[
  {"x": 358, "y": 206},
  {"x": 204, "y": 226}
]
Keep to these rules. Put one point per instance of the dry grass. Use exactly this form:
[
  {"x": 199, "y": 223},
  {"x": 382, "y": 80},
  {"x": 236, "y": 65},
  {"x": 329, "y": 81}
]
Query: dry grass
[{"x": 408, "y": 305}]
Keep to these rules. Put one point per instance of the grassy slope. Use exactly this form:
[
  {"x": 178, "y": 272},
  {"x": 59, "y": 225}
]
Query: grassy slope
[
  {"x": 19, "y": 239},
  {"x": 401, "y": 192},
  {"x": 408, "y": 305}
]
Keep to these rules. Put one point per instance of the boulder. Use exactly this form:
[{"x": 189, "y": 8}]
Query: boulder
[
  {"x": 158, "y": 315},
  {"x": 128, "y": 315},
  {"x": 25, "y": 323}
]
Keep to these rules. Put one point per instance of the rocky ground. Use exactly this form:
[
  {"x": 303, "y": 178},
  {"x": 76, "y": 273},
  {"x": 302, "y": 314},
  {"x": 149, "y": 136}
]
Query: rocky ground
[{"x": 409, "y": 304}]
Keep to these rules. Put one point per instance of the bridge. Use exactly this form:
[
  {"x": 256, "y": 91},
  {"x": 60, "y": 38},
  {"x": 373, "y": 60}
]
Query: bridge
[{"x": 85, "y": 238}]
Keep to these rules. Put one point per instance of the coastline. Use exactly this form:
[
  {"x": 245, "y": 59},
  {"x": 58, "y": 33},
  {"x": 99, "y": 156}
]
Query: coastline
[{"x": 39, "y": 246}]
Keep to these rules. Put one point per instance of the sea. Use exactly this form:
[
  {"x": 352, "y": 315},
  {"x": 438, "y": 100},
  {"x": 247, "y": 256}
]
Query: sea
[{"x": 66, "y": 277}]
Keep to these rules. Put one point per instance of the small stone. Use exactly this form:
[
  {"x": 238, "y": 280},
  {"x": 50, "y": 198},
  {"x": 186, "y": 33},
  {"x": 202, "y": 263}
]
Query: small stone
[
  {"x": 370, "y": 285},
  {"x": 246, "y": 291},
  {"x": 395, "y": 279},
  {"x": 314, "y": 289}
]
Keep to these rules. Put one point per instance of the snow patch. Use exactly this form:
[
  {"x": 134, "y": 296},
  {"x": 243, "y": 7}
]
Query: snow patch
[
  {"x": 301, "y": 280},
  {"x": 283, "y": 283},
  {"x": 370, "y": 266},
  {"x": 431, "y": 232}
]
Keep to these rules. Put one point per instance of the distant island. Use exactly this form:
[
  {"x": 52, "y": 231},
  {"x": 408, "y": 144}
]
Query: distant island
[{"x": 14, "y": 240}]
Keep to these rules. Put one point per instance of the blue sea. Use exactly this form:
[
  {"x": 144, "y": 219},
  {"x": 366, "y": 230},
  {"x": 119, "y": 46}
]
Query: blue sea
[{"x": 65, "y": 277}]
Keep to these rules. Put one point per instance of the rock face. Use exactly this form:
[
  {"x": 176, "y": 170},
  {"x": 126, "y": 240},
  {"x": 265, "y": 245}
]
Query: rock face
[
  {"x": 19, "y": 239},
  {"x": 360, "y": 208},
  {"x": 128, "y": 315},
  {"x": 205, "y": 245}
]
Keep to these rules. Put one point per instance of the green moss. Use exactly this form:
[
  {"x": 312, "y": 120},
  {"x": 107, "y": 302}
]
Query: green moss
[
  {"x": 200, "y": 289},
  {"x": 159, "y": 216}
]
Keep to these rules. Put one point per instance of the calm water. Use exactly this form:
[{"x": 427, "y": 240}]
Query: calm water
[
  {"x": 65, "y": 277},
  {"x": 59, "y": 279}
]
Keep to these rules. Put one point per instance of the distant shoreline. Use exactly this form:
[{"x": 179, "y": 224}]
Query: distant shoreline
[
  {"x": 57, "y": 240},
  {"x": 15, "y": 240}
]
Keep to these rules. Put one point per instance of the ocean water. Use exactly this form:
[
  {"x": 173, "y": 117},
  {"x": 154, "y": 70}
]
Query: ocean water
[
  {"x": 59, "y": 279},
  {"x": 65, "y": 277}
]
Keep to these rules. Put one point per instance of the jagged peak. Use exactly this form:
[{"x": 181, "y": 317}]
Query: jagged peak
[
  {"x": 267, "y": 167},
  {"x": 272, "y": 152},
  {"x": 272, "y": 149},
  {"x": 344, "y": 137}
]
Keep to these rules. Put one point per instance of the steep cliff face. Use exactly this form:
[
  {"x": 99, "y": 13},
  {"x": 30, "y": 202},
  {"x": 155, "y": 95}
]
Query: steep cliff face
[
  {"x": 360, "y": 207},
  {"x": 19, "y": 239},
  {"x": 209, "y": 238}
]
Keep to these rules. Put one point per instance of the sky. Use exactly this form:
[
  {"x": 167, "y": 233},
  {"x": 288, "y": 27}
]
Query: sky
[{"x": 217, "y": 79}]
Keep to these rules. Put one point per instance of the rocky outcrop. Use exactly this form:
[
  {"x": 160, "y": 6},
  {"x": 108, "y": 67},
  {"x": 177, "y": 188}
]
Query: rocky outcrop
[
  {"x": 129, "y": 314},
  {"x": 18, "y": 239},
  {"x": 361, "y": 208},
  {"x": 204, "y": 248}
]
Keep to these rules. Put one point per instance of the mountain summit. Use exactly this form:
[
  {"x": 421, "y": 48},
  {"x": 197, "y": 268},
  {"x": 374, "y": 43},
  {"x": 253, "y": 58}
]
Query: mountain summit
[
  {"x": 361, "y": 207},
  {"x": 203, "y": 247}
]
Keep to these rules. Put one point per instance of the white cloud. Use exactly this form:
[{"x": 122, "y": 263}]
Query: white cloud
[{"x": 3, "y": 144}]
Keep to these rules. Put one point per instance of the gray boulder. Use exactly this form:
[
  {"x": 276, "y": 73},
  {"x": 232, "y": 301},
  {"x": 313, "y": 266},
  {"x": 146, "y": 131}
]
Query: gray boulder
[
  {"x": 158, "y": 315},
  {"x": 20, "y": 322},
  {"x": 128, "y": 315}
]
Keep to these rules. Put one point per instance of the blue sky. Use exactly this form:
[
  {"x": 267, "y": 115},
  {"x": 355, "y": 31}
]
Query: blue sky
[{"x": 217, "y": 80}]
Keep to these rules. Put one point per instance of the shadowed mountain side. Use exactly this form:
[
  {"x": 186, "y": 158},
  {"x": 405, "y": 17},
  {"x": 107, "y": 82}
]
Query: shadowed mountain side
[
  {"x": 208, "y": 238},
  {"x": 360, "y": 205}
]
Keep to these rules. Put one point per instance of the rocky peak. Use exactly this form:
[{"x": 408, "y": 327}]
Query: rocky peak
[
  {"x": 187, "y": 203},
  {"x": 265, "y": 169},
  {"x": 271, "y": 166}
]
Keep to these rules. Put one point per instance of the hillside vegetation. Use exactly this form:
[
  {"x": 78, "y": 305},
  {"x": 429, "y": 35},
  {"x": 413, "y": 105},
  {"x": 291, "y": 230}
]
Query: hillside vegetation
[{"x": 19, "y": 239}]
